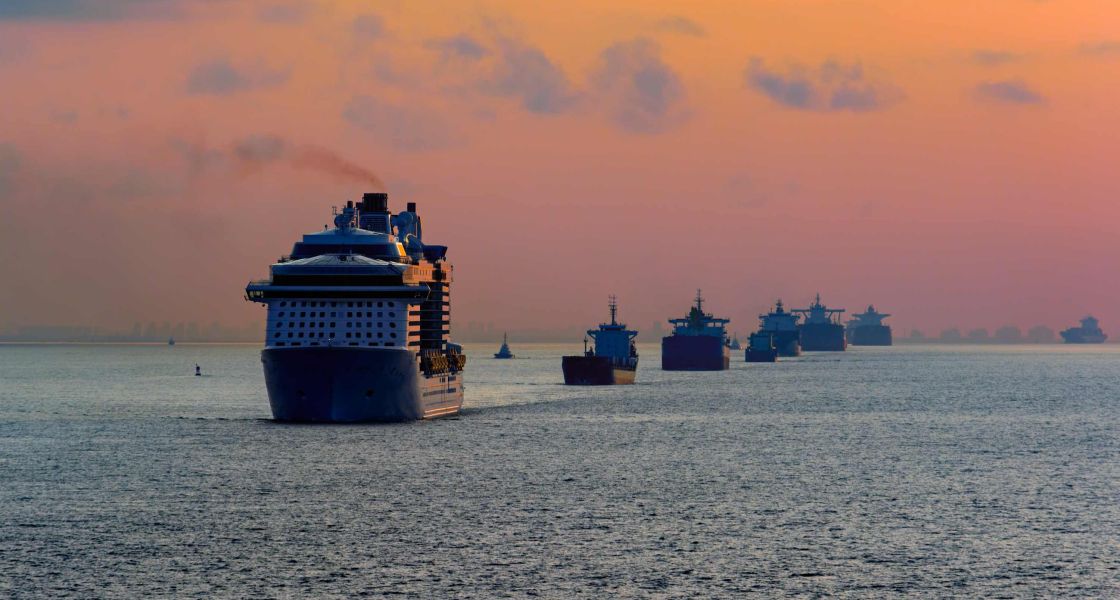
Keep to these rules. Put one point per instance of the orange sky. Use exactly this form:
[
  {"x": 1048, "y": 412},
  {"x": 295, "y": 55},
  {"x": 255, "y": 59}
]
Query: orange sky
[{"x": 951, "y": 162}]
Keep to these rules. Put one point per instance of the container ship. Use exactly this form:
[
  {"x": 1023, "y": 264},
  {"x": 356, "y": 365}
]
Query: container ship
[
  {"x": 781, "y": 326},
  {"x": 698, "y": 342},
  {"x": 821, "y": 330},
  {"x": 1088, "y": 333},
  {"x": 760, "y": 348},
  {"x": 867, "y": 329},
  {"x": 613, "y": 359},
  {"x": 358, "y": 326}
]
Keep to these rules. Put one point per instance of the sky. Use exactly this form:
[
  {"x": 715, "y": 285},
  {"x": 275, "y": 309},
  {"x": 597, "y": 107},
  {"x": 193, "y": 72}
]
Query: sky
[{"x": 952, "y": 162}]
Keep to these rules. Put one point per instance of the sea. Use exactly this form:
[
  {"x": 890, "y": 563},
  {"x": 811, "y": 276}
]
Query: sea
[{"x": 916, "y": 471}]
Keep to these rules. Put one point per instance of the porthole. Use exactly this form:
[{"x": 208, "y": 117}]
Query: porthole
[{"x": 379, "y": 305}]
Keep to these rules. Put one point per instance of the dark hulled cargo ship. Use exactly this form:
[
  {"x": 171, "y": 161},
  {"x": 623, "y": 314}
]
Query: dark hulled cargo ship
[
  {"x": 613, "y": 359},
  {"x": 1088, "y": 333},
  {"x": 359, "y": 322},
  {"x": 821, "y": 330},
  {"x": 698, "y": 342},
  {"x": 781, "y": 327},
  {"x": 760, "y": 348},
  {"x": 867, "y": 329}
]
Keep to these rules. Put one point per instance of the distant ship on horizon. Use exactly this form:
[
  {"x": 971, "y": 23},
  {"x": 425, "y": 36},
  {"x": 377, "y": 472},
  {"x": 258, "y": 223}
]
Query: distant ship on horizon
[
  {"x": 867, "y": 329},
  {"x": 612, "y": 360},
  {"x": 821, "y": 330},
  {"x": 698, "y": 342},
  {"x": 504, "y": 351},
  {"x": 1088, "y": 333}
]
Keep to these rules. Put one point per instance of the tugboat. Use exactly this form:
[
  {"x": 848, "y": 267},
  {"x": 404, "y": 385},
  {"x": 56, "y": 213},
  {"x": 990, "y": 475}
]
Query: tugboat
[
  {"x": 698, "y": 342},
  {"x": 867, "y": 329},
  {"x": 734, "y": 343},
  {"x": 760, "y": 348},
  {"x": 821, "y": 331},
  {"x": 781, "y": 326},
  {"x": 612, "y": 360},
  {"x": 1088, "y": 333},
  {"x": 504, "y": 352},
  {"x": 359, "y": 322},
  {"x": 171, "y": 341}
]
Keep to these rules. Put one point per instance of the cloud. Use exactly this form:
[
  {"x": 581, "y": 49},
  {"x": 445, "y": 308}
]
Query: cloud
[
  {"x": 525, "y": 72},
  {"x": 86, "y": 10},
  {"x": 992, "y": 58},
  {"x": 1106, "y": 49},
  {"x": 288, "y": 14},
  {"x": 832, "y": 86},
  {"x": 645, "y": 94},
  {"x": 459, "y": 46},
  {"x": 406, "y": 128},
  {"x": 1009, "y": 92},
  {"x": 368, "y": 26},
  {"x": 681, "y": 25},
  {"x": 220, "y": 77}
]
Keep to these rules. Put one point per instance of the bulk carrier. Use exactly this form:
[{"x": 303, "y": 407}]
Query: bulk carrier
[
  {"x": 358, "y": 322},
  {"x": 780, "y": 326},
  {"x": 698, "y": 342},
  {"x": 612, "y": 360},
  {"x": 867, "y": 329},
  {"x": 821, "y": 330}
]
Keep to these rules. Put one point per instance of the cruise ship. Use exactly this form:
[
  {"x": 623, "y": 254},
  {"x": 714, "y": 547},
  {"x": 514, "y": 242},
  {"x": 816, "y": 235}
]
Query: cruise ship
[
  {"x": 867, "y": 329},
  {"x": 358, "y": 322},
  {"x": 821, "y": 330},
  {"x": 698, "y": 342},
  {"x": 613, "y": 359},
  {"x": 1088, "y": 333},
  {"x": 781, "y": 326}
]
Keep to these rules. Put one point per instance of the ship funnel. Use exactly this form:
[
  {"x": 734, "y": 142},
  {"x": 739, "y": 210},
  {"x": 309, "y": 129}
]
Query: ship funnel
[
  {"x": 375, "y": 212},
  {"x": 411, "y": 207}
]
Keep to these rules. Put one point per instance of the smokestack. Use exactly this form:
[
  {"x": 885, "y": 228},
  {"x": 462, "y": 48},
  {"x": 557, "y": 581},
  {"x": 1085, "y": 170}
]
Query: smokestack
[
  {"x": 375, "y": 201},
  {"x": 375, "y": 212},
  {"x": 411, "y": 207}
]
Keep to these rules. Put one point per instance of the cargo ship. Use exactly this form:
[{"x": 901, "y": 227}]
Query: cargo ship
[
  {"x": 760, "y": 348},
  {"x": 358, "y": 324},
  {"x": 1088, "y": 333},
  {"x": 867, "y": 329},
  {"x": 504, "y": 351},
  {"x": 698, "y": 342},
  {"x": 613, "y": 359},
  {"x": 821, "y": 330},
  {"x": 781, "y": 326}
]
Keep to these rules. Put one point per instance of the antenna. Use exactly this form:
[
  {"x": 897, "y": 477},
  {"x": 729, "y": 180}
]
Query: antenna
[
  {"x": 613, "y": 304},
  {"x": 699, "y": 301}
]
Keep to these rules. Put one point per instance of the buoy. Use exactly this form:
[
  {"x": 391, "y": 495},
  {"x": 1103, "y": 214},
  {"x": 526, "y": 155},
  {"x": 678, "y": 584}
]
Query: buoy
[{"x": 197, "y": 371}]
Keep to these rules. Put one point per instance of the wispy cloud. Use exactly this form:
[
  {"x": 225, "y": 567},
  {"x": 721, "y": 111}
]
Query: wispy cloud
[
  {"x": 87, "y": 10},
  {"x": 992, "y": 58},
  {"x": 368, "y": 26},
  {"x": 407, "y": 128},
  {"x": 645, "y": 94},
  {"x": 220, "y": 77},
  {"x": 1008, "y": 92},
  {"x": 459, "y": 46},
  {"x": 681, "y": 25},
  {"x": 833, "y": 86},
  {"x": 1104, "y": 49},
  {"x": 525, "y": 72},
  {"x": 289, "y": 13}
]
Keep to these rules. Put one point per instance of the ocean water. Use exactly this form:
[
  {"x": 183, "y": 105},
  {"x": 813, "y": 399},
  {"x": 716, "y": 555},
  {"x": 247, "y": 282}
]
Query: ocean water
[{"x": 879, "y": 472}]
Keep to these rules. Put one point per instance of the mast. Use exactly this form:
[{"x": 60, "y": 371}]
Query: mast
[{"x": 613, "y": 304}]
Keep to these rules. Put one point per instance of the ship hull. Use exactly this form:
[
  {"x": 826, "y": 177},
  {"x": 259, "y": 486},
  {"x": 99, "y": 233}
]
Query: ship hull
[
  {"x": 353, "y": 385},
  {"x": 822, "y": 337},
  {"x": 596, "y": 370},
  {"x": 870, "y": 335},
  {"x": 1078, "y": 337},
  {"x": 694, "y": 353},
  {"x": 770, "y": 355}
]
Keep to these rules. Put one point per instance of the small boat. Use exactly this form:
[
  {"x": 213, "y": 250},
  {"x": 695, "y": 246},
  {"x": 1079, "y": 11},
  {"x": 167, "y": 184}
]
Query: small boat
[
  {"x": 170, "y": 341},
  {"x": 504, "y": 352},
  {"x": 197, "y": 371},
  {"x": 760, "y": 348},
  {"x": 734, "y": 343}
]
